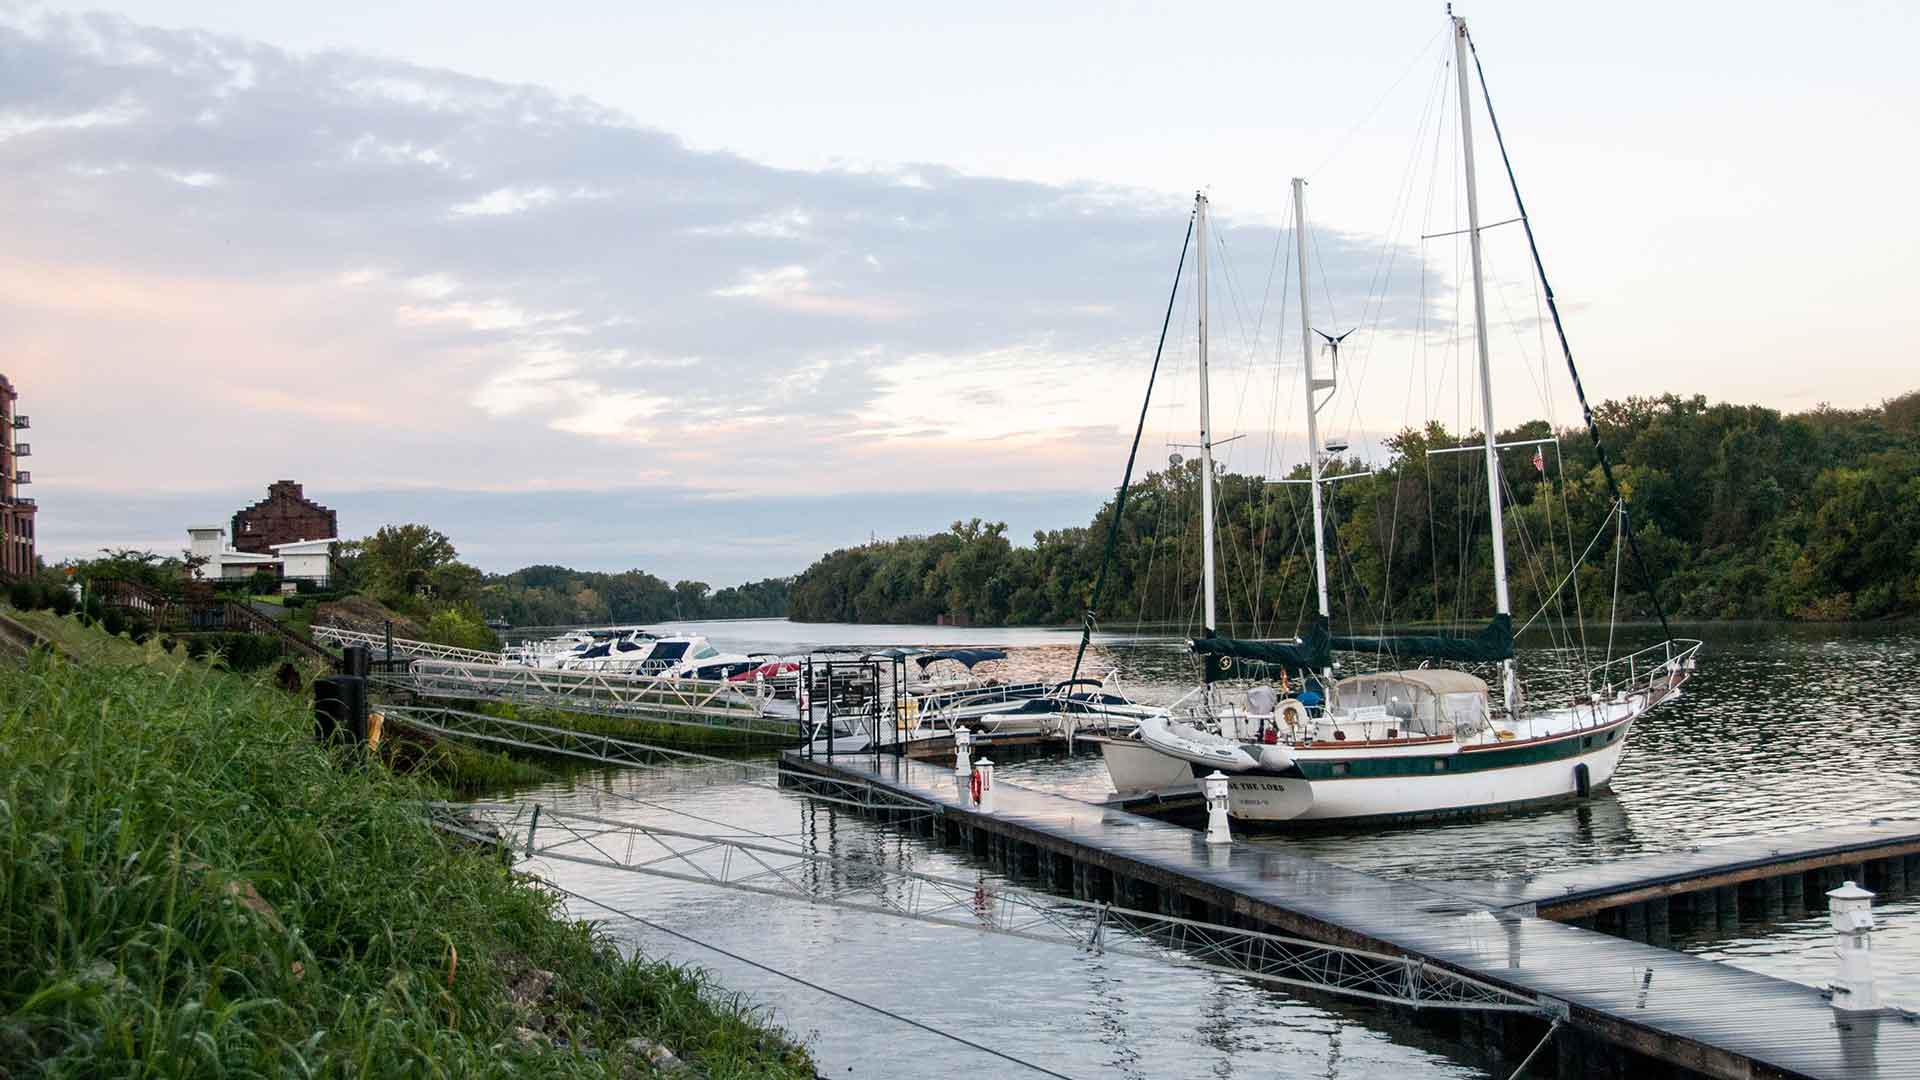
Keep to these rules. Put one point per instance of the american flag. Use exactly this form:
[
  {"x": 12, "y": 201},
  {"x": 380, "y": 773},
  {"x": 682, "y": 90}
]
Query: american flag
[{"x": 1539, "y": 461}]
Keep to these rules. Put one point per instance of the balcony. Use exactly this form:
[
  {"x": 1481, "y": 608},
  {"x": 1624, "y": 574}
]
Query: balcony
[
  {"x": 20, "y": 423},
  {"x": 23, "y": 478},
  {"x": 22, "y": 449}
]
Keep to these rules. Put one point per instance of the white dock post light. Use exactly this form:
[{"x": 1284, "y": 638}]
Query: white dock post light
[
  {"x": 983, "y": 769},
  {"x": 1850, "y": 908},
  {"x": 963, "y": 763},
  {"x": 1218, "y": 831}
]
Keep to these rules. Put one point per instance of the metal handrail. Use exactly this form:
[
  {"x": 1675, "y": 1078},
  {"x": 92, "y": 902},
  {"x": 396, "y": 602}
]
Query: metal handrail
[{"x": 1643, "y": 666}]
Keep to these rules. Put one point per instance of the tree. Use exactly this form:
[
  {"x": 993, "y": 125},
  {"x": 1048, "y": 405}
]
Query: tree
[{"x": 399, "y": 562}]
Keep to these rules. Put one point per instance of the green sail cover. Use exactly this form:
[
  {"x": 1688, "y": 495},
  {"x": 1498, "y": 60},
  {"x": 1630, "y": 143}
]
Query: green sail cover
[
  {"x": 1493, "y": 643},
  {"x": 1233, "y": 658}
]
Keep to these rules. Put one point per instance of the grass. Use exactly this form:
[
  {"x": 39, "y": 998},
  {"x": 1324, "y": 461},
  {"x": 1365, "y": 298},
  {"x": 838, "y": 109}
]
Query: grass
[
  {"x": 189, "y": 886},
  {"x": 92, "y": 645}
]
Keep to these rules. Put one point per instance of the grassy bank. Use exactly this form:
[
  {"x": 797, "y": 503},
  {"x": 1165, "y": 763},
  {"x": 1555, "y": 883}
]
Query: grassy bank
[{"x": 188, "y": 886}]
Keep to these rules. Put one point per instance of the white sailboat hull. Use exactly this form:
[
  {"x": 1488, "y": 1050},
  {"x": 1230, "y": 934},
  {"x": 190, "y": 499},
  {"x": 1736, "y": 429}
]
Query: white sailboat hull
[{"x": 1445, "y": 792}]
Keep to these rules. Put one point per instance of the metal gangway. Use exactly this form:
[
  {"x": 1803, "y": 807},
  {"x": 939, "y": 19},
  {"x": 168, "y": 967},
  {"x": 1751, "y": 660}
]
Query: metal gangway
[
  {"x": 399, "y": 648},
  {"x": 534, "y": 831},
  {"x": 665, "y": 768},
  {"x": 705, "y": 703}
]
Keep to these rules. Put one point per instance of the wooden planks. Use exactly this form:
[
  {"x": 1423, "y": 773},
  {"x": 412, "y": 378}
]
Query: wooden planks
[{"x": 1703, "y": 1015}]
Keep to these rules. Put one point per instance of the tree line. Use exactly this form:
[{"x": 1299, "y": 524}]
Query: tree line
[{"x": 1739, "y": 512}]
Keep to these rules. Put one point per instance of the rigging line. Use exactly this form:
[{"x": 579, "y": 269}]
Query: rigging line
[
  {"x": 809, "y": 984},
  {"x": 1572, "y": 576},
  {"x": 1418, "y": 55},
  {"x": 1120, "y": 501},
  {"x": 1553, "y": 306},
  {"x": 1566, "y": 518}
]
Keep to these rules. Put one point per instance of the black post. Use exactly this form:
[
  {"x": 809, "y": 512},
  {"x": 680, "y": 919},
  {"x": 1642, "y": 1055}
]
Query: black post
[
  {"x": 389, "y": 641},
  {"x": 356, "y": 660},
  {"x": 340, "y": 709}
]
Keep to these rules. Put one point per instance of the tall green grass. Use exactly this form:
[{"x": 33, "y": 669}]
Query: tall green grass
[{"x": 190, "y": 887}]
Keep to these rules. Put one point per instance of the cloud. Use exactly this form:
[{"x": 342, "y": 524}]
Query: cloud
[{"x": 357, "y": 271}]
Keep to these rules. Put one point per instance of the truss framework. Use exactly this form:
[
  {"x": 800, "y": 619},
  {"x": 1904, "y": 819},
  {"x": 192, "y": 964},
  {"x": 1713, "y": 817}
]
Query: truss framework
[
  {"x": 691, "y": 702},
  {"x": 403, "y": 647},
  {"x": 668, "y": 769},
  {"x": 533, "y": 831}
]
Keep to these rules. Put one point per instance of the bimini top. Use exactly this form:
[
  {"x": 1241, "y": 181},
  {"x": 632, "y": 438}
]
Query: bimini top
[
  {"x": 965, "y": 657},
  {"x": 1432, "y": 680}
]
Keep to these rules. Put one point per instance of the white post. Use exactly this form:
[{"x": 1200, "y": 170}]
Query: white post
[
  {"x": 1206, "y": 414},
  {"x": 963, "y": 763},
  {"x": 1313, "y": 386},
  {"x": 1496, "y": 524},
  {"x": 984, "y": 769},
  {"x": 1218, "y": 830},
  {"x": 1850, "y": 908}
]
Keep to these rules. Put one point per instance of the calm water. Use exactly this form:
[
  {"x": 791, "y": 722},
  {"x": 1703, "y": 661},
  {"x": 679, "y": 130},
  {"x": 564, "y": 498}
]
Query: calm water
[{"x": 1782, "y": 729}]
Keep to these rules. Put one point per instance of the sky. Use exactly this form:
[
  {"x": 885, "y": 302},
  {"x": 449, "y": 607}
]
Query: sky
[{"x": 710, "y": 292}]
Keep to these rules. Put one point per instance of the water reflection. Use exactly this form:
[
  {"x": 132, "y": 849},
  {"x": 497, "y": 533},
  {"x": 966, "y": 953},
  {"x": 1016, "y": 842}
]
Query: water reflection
[{"x": 1783, "y": 728}]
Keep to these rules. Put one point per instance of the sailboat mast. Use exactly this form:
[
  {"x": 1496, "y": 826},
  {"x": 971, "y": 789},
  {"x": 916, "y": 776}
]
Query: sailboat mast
[
  {"x": 1206, "y": 412},
  {"x": 1313, "y": 386},
  {"x": 1495, "y": 524}
]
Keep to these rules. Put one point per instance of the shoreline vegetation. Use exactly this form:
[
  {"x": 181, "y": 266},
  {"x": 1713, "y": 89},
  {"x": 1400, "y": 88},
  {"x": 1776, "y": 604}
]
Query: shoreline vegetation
[
  {"x": 1742, "y": 513},
  {"x": 191, "y": 886}
]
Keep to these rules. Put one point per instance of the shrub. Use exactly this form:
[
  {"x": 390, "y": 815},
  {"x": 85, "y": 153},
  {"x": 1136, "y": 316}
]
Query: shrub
[
  {"x": 113, "y": 621},
  {"x": 93, "y": 608},
  {"x": 61, "y": 600},
  {"x": 245, "y": 652},
  {"x": 140, "y": 629},
  {"x": 263, "y": 582},
  {"x": 167, "y": 644},
  {"x": 295, "y": 601},
  {"x": 23, "y": 595},
  {"x": 196, "y": 647}
]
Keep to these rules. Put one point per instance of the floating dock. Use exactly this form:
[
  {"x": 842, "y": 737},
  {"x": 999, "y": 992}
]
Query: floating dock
[{"x": 1632, "y": 1008}]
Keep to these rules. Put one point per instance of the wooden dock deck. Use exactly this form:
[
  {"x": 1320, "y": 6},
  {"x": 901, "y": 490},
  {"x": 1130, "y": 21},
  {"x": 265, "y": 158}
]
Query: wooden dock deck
[
  {"x": 1759, "y": 873},
  {"x": 1631, "y": 1007}
]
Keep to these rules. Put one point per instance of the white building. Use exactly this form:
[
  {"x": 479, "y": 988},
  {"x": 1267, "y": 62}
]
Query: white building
[
  {"x": 306, "y": 558},
  {"x": 223, "y": 563}
]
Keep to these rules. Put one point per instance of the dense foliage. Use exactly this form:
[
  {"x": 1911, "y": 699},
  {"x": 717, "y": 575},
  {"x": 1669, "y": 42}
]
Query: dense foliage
[
  {"x": 190, "y": 887},
  {"x": 1740, "y": 512},
  {"x": 558, "y": 596}
]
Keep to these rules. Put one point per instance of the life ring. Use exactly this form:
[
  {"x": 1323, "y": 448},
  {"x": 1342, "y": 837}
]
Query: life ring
[
  {"x": 1294, "y": 713},
  {"x": 974, "y": 787}
]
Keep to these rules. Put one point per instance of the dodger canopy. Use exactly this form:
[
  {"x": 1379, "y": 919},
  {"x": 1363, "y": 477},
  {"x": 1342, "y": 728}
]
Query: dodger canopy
[{"x": 965, "y": 657}]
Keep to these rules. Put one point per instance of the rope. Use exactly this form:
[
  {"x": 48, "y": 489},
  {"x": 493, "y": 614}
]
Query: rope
[
  {"x": 888, "y": 1013},
  {"x": 1553, "y": 306},
  {"x": 1126, "y": 478}
]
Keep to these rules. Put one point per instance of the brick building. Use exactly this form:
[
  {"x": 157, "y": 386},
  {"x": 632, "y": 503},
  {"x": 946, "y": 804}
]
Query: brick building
[
  {"x": 16, "y": 510},
  {"x": 285, "y": 516}
]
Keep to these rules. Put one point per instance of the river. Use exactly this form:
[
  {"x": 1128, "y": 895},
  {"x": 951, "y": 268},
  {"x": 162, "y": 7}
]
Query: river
[{"x": 1784, "y": 727}]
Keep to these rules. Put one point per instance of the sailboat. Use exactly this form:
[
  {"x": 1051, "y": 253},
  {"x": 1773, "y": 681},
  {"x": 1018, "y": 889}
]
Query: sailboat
[{"x": 1413, "y": 743}]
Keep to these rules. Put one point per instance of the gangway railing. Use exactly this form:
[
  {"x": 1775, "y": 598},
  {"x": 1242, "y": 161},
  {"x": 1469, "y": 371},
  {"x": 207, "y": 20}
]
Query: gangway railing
[
  {"x": 406, "y": 648},
  {"x": 703, "y": 703},
  {"x": 668, "y": 768},
  {"x": 542, "y": 832}
]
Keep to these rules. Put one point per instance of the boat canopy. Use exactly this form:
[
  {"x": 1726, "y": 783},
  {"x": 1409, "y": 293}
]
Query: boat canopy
[
  {"x": 965, "y": 657},
  {"x": 1493, "y": 643},
  {"x": 1226, "y": 658},
  {"x": 1426, "y": 701}
]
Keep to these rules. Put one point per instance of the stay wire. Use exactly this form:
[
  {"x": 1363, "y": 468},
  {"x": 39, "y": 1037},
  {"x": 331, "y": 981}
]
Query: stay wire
[
  {"x": 809, "y": 984},
  {"x": 1566, "y": 347},
  {"x": 1126, "y": 479}
]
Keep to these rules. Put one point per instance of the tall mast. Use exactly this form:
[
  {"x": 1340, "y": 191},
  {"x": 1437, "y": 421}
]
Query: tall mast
[
  {"x": 1206, "y": 412},
  {"x": 1314, "y": 386},
  {"x": 1495, "y": 525}
]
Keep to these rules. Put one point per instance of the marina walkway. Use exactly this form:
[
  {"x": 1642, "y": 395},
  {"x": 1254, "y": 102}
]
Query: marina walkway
[
  {"x": 1882, "y": 855},
  {"x": 1667, "y": 1006}
]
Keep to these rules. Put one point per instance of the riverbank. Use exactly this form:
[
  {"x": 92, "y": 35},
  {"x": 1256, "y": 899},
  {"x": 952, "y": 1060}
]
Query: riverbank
[{"x": 189, "y": 886}]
